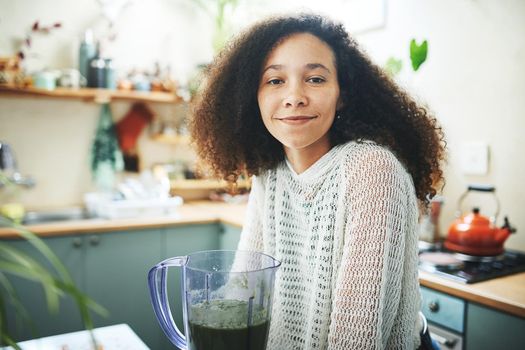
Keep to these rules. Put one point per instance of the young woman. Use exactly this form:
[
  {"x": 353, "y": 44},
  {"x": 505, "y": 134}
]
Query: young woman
[{"x": 341, "y": 158}]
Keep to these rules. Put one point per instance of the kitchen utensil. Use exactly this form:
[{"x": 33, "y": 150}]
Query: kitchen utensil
[
  {"x": 86, "y": 52},
  {"x": 475, "y": 234},
  {"x": 7, "y": 158},
  {"x": 226, "y": 299},
  {"x": 429, "y": 230},
  {"x": 439, "y": 260},
  {"x": 45, "y": 79},
  {"x": 8, "y": 168},
  {"x": 71, "y": 78}
]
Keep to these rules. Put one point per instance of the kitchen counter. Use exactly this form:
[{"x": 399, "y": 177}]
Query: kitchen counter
[
  {"x": 198, "y": 212},
  {"x": 506, "y": 294}
]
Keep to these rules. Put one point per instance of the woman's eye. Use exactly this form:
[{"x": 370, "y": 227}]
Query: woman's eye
[
  {"x": 275, "y": 81},
  {"x": 316, "y": 80}
]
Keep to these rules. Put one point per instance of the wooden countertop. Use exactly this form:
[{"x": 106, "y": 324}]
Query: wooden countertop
[
  {"x": 506, "y": 294},
  {"x": 199, "y": 212}
]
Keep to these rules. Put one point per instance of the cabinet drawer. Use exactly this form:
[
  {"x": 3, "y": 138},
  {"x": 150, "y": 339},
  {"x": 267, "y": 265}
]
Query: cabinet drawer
[{"x": 443, "y": 309}]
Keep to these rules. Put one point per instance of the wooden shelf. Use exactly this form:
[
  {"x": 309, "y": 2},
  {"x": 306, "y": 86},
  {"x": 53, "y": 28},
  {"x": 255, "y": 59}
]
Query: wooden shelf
[
  {"x": 92, "y": 95},
  {"x": 205, "y": 184},
  {"x": 173, "y": 139}
]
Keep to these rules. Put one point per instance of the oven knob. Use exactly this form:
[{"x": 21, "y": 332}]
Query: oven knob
[{"x": 433, "y": 306}]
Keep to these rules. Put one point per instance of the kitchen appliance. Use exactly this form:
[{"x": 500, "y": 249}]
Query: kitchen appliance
[
  {"x": 476, "y": 235},
  {"x": 471, "y": 269},
  {"x": 226, "y": 299}
]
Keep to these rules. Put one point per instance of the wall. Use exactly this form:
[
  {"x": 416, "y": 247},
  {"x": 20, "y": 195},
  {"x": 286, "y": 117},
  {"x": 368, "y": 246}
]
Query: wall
[{"x": 473, "y": 81}]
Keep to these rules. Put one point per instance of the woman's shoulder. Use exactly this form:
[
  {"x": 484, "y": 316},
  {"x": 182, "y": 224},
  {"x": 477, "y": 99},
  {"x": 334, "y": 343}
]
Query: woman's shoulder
[{"x": 365, "y": 155}]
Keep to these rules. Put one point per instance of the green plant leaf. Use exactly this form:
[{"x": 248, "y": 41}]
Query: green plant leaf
[
  {"x": 418, "y": 53},
  {"x": 4, "y": 338},
  {"x": 34, "y": 273},
  {"x": 393, "y": 66},
  {"x": 41, "y": 247}
]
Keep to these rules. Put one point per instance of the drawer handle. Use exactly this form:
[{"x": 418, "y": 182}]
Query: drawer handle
[
  {"x": 449, "y": 343},
  {"x": 433, "y": 306},
  {"x": 94, "y": 240},
  {"x": 77, "y": 242}
]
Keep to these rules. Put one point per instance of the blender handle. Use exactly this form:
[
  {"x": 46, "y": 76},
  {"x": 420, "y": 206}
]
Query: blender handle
[{"x": 157, "y": 281}]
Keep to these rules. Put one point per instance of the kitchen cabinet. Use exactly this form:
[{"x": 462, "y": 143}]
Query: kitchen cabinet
[
  {"x": 471, "y": 326},
  {"x": 112, "y": 269},
  {"x": 488, "y": 329},
  {"x": 115, "y": 274},
  {"x": 229, "y": 237},
  {"x": 32, "y": 295}
]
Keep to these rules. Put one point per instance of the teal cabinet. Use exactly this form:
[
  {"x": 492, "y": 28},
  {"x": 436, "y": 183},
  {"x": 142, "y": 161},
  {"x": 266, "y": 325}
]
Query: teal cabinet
[
  {"x": 69, "y": 250},
  {"x": 443, "y": 309},
  {"x": 229, "y": 237},
  {"x": 116, "y": 266},
  {"x": 488, "y": 329},
  {"x": 479, "y": 327}
]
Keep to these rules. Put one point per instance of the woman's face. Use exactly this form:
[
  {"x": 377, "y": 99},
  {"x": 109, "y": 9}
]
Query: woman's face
[{"x": 299, "y": 92}]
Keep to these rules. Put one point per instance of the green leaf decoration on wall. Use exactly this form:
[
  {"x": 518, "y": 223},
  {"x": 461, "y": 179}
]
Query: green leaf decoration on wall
[{"x": 418, "y": 53}]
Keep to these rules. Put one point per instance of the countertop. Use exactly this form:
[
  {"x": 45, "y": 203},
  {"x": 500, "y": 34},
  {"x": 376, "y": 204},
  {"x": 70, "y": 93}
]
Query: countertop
[
  {"x": 198, "y": 212},
  {"x": 506, "y": 294}
]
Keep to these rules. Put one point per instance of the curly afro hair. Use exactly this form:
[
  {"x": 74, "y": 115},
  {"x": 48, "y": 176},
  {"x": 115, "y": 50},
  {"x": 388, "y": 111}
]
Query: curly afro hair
[{"x": 229, "y": 133}]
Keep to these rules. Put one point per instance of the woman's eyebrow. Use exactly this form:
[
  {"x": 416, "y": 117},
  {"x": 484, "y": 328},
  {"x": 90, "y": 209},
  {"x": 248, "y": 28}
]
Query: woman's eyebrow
[
  {"x": 309, "y": 66},
  {"x": 274, "y": 67},
  {"x": 312, "y": 66}
]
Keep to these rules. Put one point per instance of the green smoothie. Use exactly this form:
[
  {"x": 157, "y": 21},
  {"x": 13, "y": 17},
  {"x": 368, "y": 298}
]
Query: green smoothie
[{"x": 222, "y": 325}]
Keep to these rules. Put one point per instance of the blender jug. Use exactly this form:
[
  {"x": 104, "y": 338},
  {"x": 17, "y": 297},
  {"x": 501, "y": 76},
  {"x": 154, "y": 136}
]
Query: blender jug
[{"x": 226, "y": 299}]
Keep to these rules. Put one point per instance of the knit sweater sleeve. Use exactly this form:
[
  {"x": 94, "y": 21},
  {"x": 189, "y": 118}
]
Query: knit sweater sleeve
[
  {"x": 251, "y": 235},
  {"x": 366, "y": 300}
]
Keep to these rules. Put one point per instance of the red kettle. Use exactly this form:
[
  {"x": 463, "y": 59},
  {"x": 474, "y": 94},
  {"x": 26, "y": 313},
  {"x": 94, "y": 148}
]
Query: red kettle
[{"x": 474, "y": 234}]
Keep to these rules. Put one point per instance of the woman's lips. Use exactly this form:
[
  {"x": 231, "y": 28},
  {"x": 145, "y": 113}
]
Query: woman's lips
[{"x": 295, "y": 120}]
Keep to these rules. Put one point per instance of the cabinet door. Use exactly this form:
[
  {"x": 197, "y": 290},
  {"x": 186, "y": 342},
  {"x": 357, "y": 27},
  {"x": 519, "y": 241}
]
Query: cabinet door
[
  {"x": 490, "y": 329},
  {"x": 229, "y": 237},
  {"x": 116, "y": 268},
  {"x": 69, "y": 251}
]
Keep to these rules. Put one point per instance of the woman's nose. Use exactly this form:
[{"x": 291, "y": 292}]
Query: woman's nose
[{"x": 295, "y": 96}]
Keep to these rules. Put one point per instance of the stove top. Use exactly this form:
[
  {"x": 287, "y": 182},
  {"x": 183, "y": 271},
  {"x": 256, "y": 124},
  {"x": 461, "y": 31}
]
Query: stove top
[{"x": 508, "y": 263}]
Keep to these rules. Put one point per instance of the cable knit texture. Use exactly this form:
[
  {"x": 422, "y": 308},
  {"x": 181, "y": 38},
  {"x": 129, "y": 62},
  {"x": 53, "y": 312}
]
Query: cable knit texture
[{"x": 345, "y": 232}]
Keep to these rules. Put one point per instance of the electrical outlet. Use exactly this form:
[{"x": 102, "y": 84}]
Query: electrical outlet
[{"x": 474, "y": 158}]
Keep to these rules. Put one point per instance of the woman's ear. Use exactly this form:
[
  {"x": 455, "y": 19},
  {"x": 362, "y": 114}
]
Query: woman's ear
[{"x": 340, "y": 104}]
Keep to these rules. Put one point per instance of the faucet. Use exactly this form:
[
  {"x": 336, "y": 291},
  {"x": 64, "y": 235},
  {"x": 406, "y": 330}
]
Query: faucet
[{"x": 8, "y": 170}]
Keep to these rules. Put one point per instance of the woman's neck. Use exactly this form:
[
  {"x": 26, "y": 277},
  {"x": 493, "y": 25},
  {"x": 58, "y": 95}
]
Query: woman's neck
[{"x": 301, "y": 159}]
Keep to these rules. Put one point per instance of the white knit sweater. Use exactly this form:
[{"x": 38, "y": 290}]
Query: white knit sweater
[{"x": 345, "y": 232}]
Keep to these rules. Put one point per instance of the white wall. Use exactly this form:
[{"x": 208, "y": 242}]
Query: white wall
[{"x": 473, "y": 80}]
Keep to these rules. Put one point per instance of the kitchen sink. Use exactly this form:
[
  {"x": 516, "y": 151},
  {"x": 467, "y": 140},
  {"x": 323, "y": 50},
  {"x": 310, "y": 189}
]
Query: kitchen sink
[{"x": 47, "y": 216}]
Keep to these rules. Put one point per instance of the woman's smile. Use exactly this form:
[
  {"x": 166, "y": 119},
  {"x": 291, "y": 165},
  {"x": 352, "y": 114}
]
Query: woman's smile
[{"x": 296, "y": 119}]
